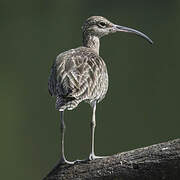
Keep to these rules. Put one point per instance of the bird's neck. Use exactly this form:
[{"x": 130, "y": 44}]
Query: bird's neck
[{"x": 91, "y": 42}]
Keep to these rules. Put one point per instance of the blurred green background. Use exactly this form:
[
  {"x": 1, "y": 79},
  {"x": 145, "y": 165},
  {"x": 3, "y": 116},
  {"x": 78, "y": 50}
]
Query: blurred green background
[{"x": 143, "y": 101}]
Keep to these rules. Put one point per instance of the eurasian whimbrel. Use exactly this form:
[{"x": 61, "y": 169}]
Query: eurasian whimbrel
[{"x": 80, "y": 74}]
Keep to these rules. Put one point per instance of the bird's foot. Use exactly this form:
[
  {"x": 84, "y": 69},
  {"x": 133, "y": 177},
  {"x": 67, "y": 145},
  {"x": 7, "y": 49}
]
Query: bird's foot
[
  {"x": 64, "y": 161},
  {"x": 81, "y": 161},
  {"x": 93, "y": 157},
  {"x": 90, "y": 158}
]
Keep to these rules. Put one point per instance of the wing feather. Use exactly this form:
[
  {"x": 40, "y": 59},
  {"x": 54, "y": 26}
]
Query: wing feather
[{"x": 80, "y": 74}]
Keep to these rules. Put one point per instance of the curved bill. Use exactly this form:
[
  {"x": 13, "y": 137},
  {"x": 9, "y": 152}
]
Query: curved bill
[{"x": 130, "y": 30}]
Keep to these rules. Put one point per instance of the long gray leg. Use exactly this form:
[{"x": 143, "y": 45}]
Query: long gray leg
[
  {"x": 63, "y": 127},
  {"x": 92, "y": 155},
  {"x": 93, "y": 125}
]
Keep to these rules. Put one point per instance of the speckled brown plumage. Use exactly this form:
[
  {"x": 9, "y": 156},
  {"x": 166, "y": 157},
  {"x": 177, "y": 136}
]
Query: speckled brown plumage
[{"x": 78, "y": 75}]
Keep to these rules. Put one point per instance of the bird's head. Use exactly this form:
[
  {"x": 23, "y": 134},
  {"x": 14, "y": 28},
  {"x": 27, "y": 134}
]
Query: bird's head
[{"x": 99, "y": 26}]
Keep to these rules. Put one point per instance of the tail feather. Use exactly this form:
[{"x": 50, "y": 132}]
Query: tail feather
[{"x": 66, "y": 102}]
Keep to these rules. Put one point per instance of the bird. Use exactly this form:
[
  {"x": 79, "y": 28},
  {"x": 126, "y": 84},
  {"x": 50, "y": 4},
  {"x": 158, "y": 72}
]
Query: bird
[{"x": 80, "y": 74}]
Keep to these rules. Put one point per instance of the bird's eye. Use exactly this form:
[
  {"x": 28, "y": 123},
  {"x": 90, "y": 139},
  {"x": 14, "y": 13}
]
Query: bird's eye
[{"x": 102, "y": 24}]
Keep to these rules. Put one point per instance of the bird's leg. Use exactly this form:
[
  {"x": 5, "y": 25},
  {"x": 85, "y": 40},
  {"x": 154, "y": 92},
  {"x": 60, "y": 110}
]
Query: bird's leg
[
  {"x": 93, "y": 125},
  {"x": 63, "y": 127}
]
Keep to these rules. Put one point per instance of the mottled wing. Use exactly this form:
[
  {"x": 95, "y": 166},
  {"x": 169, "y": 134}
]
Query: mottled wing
[{"x": 80, "y": 75}]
